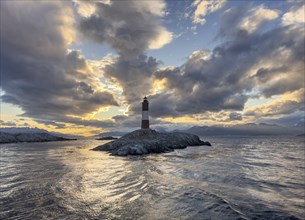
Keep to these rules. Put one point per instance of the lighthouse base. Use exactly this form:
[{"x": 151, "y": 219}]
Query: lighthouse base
[
  {"x": 145, "y": 124},
  {"x": 145, "y": 141}
]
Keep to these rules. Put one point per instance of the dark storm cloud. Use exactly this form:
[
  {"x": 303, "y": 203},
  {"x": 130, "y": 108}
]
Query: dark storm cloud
[
  {"x": 134, "y": 76},
  {"x": 78, "y": 122},
  {"x": 123, "y": 121},
  {"x": 130, "y": 27},
  {"x": 285, "y": 107},
  {"x": 52, "y": 85},
  {"x": 205, "y": 84},
  {"x": 234, "y": 116},
  {"x": 268, "y": 63},
  {"x": 161, "y": 105},
  {"x": 247, "y": 18},
  {"x": 233, "y": 16},
  {"x": 266, "y": 74},
  {"x": 93, "y": 122},
  {"x": 126, "y": 121},
  {"x": 52, "y": 123},
  {"x": 38, "y": 73}
]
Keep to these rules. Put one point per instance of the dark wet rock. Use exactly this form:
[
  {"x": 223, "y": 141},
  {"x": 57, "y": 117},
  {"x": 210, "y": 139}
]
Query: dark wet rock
[
  {"x": 145, "y": 141},
  {"x": 29, "y": 137},
  {"x": 107, "y": 138},
  {"x": 300, "y": 135}
]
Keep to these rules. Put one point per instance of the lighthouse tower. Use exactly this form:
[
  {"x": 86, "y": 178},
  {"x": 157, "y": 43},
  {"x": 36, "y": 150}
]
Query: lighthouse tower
[{"x": 145, "y": 120}]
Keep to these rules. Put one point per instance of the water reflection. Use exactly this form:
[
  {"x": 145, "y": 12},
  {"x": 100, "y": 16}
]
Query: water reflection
[{"x": 236, "y": 178}]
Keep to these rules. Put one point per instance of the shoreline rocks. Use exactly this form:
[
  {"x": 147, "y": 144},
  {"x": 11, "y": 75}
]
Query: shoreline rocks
[
  {"x": 145, "y": 141},
  {"x": 107, "y": 138},
  {"x": 301, "y": 135}
]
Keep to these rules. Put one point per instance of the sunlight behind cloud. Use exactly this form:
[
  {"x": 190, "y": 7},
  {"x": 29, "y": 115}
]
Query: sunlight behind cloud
[
  {"x": 204, "y": 7},
  {"x": 164, "y": 37},
  {"x": 255, "y": 62},
  {"x": 295, "y": 16},
  {"x": 256, "y": 18},
  {"x": 284, "y": 104}
]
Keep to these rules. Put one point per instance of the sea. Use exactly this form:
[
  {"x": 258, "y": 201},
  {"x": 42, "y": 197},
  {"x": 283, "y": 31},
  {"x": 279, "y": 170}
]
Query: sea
[{"x": 235, "y": 178}]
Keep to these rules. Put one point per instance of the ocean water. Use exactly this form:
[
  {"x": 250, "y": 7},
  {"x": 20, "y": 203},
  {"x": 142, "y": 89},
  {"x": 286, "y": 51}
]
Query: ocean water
[{"x": 236, "y": 178}]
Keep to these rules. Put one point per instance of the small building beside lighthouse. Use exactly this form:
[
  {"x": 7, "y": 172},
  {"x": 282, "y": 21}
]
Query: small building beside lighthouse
[{"x": 145, "y": 119}]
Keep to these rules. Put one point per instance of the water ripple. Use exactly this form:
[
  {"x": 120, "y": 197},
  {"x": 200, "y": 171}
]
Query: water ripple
[{"x": 244, "y": 178}]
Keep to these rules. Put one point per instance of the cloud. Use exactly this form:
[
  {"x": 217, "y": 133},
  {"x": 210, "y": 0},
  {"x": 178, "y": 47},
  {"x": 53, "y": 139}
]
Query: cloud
[
  {"x": 126, "y": 122},
  {"x": 202, "y": 84},
  {"x": 52, "y": 123},
  {"x": 281, "y": 68},
  {"x": 276, "y": 108},
  {"x": 245, "y": 65},
  {"x": 203, "y": 8},
  {"x": 59, "y": 87},
  {"x": 161, "y": 105},
  {"x": 39, "y": 74},
  {"x": 86, "y": 8},
  {"x": 295, "y": 16},
  {"x": 285, "y": 105},
  {"x": 234, "y": 116},
  {"x": 257, "y": 16},
  {"x": 130, "y": 27},
  {"x": 134, "y": 76},
  {"x": 245, "y": 19},
  {"x": 162, "y": 39}
]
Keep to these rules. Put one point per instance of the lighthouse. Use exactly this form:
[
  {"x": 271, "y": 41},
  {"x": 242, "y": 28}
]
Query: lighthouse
[{"x": 145, "y": 120}]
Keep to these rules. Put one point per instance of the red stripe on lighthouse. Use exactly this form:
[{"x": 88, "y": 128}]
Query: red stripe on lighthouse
[{"x": 145, "y": 116}]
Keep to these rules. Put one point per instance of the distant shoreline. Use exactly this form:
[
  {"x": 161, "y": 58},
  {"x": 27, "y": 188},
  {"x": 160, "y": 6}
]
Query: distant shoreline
[{"x": 8, "y": 138}]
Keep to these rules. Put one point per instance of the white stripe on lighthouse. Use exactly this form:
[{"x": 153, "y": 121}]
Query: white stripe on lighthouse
[{"x": 144, "y": 115}]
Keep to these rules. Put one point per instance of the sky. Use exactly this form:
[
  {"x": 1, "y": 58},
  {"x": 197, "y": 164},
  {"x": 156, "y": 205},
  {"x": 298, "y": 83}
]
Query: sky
[{"x": 83, "y": 67}]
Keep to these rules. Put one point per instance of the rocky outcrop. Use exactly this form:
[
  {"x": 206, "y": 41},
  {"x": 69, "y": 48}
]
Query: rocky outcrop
[
  {"x": 145, "y": 141},
  {"x": 107, "y": 138},
  {"x": 29, "y": 137},
  {"x": 301, "y": 135}
]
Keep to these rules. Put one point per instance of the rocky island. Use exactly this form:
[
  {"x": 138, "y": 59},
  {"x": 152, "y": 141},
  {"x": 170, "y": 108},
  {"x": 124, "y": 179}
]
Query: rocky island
[
  {"x": 145, "y": 141},
  {"x": 107, "y": 138},
  {"x": 29, "y": 137}
]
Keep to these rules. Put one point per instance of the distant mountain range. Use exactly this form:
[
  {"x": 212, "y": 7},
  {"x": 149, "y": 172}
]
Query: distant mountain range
[
  {"x": 250, "y": 129},
  {"x": 26, "y": 134},
  {"x": 25, "y": 130},
  {"x": 28, "y": 130},
  {"x": 29, "y": 137}
]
